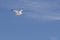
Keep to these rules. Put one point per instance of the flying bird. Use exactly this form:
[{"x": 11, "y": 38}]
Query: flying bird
[{"x": 18, "y": 12}]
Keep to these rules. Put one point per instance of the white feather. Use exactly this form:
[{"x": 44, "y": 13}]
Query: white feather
[{"x": 18, "y": 12}]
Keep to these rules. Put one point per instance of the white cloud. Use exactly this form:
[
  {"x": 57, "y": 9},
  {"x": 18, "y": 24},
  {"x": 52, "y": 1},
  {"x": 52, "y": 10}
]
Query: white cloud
[
  {"x": 53, "y": 38},
  {"x": 43, "y": 10},
  {"x": 44, "y": 17}
]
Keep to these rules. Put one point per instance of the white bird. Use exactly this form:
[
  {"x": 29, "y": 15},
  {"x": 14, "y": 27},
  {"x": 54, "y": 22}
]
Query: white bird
[{"x": 18, "y": 12}]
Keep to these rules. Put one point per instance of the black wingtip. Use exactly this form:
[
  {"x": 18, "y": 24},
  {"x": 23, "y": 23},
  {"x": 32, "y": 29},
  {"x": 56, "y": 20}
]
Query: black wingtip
[{"x": 11, "y": 9}]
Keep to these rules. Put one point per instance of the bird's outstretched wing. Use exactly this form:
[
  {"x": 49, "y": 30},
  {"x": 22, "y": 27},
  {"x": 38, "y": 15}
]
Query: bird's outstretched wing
[{"x": 17, "y": 11}]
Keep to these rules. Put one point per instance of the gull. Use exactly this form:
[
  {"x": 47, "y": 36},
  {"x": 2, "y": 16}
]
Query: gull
[{"x": 18, "y": 12}]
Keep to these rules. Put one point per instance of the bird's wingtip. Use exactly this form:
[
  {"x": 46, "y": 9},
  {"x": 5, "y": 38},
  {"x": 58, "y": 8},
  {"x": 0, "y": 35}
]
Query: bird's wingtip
[{"x": 11, "y": 9}]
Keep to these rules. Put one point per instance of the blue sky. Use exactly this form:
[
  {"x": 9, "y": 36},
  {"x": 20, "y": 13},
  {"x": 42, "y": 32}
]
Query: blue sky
[{"x": 40, "y": 20}]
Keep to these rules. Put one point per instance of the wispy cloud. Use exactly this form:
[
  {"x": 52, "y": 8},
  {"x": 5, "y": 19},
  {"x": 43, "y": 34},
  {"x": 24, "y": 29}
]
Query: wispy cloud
[
  {"x": 37, "y": 9},
  {"x": 48, "y": 10},
  {"x": 53, "y": 38},
  {"x": 44, "y": 17}
]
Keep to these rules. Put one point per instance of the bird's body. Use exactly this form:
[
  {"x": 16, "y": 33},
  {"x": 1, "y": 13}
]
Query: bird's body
[{"x": 18, "y": 12}]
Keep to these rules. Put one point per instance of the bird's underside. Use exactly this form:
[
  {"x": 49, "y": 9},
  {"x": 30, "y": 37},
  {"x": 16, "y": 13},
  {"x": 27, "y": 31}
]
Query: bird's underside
[{"x": 17, "y": 12}]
